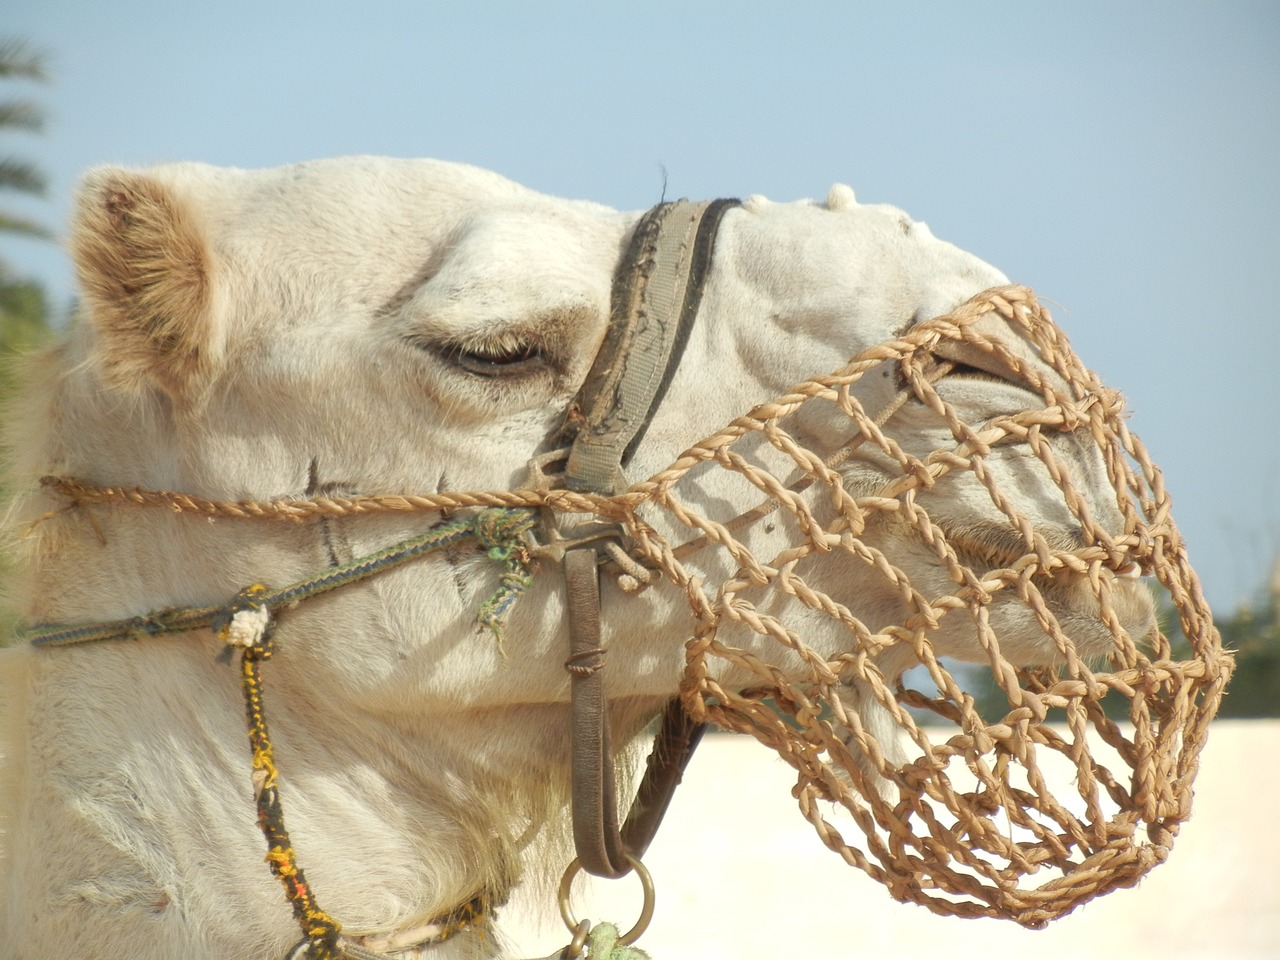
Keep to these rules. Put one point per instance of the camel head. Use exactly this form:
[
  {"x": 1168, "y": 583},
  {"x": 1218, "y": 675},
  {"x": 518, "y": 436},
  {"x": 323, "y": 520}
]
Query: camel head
[
  {"x": 365, "y": 325},
  {"x": 373, "y": 326}
]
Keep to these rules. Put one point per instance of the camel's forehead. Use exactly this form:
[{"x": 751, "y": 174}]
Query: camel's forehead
[
  {"x": 357, "y": 180},
  {"x": 355, "y": 200},
  {"x": 328, "y": 238},
  {"x": 337, "y": 192},
  {"x": 368, "y": 228}
]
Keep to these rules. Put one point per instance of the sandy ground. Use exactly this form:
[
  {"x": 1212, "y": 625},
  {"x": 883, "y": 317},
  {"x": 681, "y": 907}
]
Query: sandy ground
[{"x": 740, "y": 874}]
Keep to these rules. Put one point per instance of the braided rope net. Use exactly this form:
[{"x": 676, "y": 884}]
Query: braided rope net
[
  {"x": 974, "y": 826},
  {"x": 1006, "y": 812}
]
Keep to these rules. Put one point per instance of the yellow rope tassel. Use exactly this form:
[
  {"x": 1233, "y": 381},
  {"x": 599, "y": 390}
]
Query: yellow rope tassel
[{"x": 250, "y": 631}]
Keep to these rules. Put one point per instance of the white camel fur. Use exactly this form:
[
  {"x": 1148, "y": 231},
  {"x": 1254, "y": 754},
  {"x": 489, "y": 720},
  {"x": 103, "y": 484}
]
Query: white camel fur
[{"x": 370, "y": 326}]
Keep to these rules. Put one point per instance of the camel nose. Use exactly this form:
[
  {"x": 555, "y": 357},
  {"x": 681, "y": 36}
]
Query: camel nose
[{"x": 995, "y": 345}]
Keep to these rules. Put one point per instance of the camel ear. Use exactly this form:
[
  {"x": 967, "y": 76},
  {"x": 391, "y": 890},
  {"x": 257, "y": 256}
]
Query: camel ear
[{"x": 145, "y": 272}]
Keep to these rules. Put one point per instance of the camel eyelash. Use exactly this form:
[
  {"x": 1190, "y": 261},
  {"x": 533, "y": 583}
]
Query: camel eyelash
[
  {"x": 508, "y": 354},
  {"x": 497, "y": 359}
]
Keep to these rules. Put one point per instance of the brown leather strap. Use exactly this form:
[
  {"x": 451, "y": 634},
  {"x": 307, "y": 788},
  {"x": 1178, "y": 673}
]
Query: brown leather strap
[
  {"x": 678, "y": 737},
  {"x": 595, "y": 804},
  {"x": 656, "y": 294},
  {"x": 602, "y": 847}
]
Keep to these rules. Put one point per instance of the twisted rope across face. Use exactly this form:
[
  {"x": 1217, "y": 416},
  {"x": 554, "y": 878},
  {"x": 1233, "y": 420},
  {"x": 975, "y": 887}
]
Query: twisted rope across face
[{"x": 1022, "y": 806}]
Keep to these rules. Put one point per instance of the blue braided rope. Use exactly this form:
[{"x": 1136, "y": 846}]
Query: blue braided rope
[{"x": 498, "y": 531}]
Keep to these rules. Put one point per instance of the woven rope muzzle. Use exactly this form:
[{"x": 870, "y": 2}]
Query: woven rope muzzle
[
  {"x": 1012, "y": 811},
  {"x": 1008, "y": 812}
]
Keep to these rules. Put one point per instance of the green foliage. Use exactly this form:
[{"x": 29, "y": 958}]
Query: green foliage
[
  {"x": 24, "y": 309},
  {"x": 1253, "y": 632},
  {"x": 24, "y": 315},
  {"x": 18, "y": 59},
  {"x": 24, "y": 312},
  {"x": 24, "y": 325},
  {"x": 19, "y": 62}
]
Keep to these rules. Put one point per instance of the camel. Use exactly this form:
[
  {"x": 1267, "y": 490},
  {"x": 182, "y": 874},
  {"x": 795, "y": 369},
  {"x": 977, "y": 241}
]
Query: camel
[{"x": 365, "y": 325}]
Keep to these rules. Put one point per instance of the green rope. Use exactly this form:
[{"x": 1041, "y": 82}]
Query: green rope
[
  {"x": 499, "y": 531},
  {"x": 496, "y": 531}
]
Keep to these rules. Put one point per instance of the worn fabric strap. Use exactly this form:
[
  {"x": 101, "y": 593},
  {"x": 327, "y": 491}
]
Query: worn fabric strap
[
  {"x": 678, "y": 736},
  {"x": 656, "y": 293}
]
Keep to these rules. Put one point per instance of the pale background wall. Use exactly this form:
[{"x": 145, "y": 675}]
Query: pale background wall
[{"x": 741, "y": 876}]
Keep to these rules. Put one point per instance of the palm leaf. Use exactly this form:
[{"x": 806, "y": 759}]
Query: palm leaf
[
  {"x": 21, "y": 115},
  {"x": 21, "y": 225},
  {"x": 21, "y": 176},
  {"x": 18, "y": 59}
]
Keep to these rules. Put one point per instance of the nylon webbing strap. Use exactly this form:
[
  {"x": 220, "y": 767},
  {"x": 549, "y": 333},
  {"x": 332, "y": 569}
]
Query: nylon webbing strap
[{"x": 655, "y": 299}]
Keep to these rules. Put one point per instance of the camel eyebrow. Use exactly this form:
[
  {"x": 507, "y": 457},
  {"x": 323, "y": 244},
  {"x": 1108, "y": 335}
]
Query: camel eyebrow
[
  {"x": 549, "y": 329},
  {"x": 510, "y": 336}
]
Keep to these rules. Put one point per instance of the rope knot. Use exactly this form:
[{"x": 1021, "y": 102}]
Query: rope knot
[
  {"x": 500, "y": 533},
  {"x": 244, "y": 622},
  {"x": 584, "y": 663}
]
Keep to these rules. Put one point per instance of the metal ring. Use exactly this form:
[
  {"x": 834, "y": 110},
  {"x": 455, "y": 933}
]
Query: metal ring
[
  {"x": 646, "y": 911},
  {"x": 579, "y": 942}
]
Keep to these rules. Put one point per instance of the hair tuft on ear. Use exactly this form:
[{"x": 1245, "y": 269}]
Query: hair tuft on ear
[{"x": 145, "y": 270}]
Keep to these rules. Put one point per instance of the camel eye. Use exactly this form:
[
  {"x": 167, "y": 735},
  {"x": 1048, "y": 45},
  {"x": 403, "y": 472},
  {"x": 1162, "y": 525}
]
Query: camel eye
[{"x": 500, "y": 359}]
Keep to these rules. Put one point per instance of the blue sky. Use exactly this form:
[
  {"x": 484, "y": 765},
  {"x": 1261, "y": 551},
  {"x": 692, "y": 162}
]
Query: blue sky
[{"x": 1122, "y": 158}]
